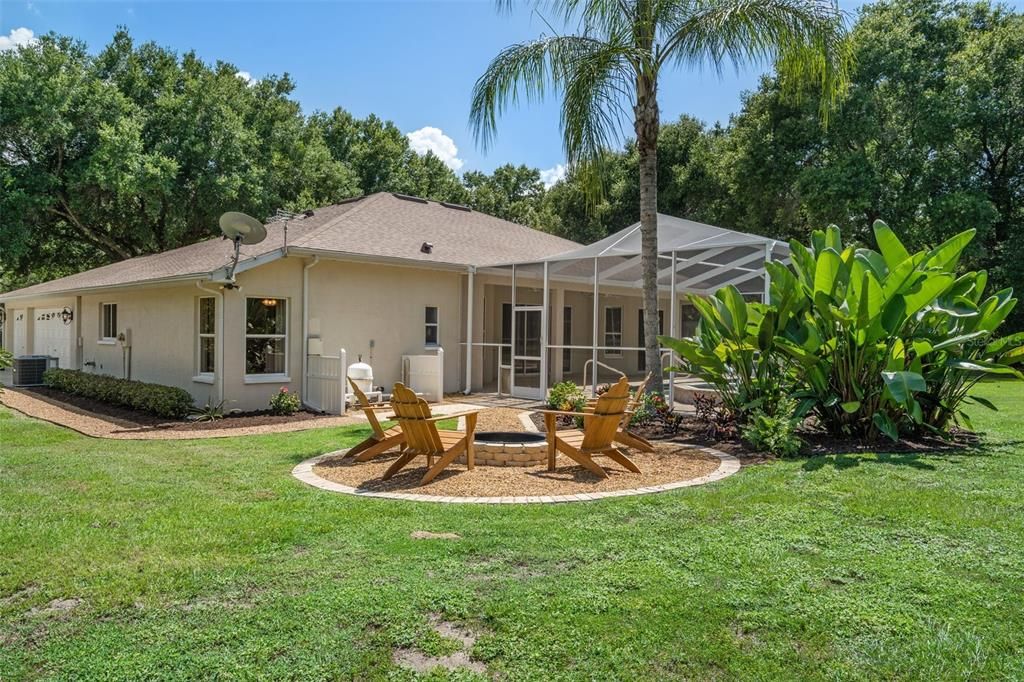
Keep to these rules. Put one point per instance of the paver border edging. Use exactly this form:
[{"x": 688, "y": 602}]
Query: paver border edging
[{"x": 727, "y": 466}]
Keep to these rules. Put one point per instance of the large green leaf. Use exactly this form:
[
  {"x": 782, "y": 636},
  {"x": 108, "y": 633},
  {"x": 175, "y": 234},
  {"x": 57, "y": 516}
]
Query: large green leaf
[
  {"x": 903, "y": 385},
  {"x": 886, "y": 425},
  {"x": 889, "y": 244},
  {"x": 983, "y": 366},
  {"x": 999, "y": 345},
  {"x": 735, "y": 309},
  {"x": 826, "y": 272},
  {"x": 947, "y": 254},
  {"x": 925, "y": 292}
]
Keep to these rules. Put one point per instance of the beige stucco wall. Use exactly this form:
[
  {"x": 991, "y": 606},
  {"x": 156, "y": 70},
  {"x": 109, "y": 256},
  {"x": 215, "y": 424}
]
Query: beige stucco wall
[
  {"x": 279, "y": 279},
  {"x": 353, "y": 304}
]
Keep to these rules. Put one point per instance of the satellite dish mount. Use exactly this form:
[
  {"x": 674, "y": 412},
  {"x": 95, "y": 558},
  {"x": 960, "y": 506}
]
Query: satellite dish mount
[{"x": 240, "y": 229}]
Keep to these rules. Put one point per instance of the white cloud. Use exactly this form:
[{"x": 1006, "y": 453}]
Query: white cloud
[
  {"x": 430, "y": 139},
  {"x": 552, "y": 175},
  {"x": 247, "y": 77},
  {"x": 17, "y": 38}
]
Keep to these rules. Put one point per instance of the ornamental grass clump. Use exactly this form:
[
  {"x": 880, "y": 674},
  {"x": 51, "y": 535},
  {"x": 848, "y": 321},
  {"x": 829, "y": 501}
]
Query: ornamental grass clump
[{"x": 869, "y": 342}]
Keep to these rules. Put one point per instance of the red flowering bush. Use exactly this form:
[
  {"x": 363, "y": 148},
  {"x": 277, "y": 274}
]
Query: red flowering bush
[{"x": 284, "y": 402}]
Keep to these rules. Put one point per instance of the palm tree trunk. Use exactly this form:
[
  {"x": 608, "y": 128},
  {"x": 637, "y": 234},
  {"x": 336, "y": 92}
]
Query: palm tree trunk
[{"x": 646, "y": 124}]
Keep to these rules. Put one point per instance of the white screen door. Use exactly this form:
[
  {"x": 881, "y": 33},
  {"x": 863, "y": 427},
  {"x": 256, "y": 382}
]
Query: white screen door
[{"x": 526, "y": 351}]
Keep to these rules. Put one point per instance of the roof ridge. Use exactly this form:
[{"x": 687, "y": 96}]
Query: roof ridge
[{"x": 364, "y": 201}]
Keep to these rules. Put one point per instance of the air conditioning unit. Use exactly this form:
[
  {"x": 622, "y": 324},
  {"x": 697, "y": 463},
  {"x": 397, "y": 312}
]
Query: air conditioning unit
[
  {"x": 424, "y": 374},
  {"x": 28, "y": 369}
]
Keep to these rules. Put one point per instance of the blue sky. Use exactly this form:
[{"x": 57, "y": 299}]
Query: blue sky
[{"x": 411, "y": 62}]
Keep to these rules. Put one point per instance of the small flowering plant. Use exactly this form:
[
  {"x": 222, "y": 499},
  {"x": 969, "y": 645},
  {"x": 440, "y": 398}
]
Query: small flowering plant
[{"x": 284, "y": 402}]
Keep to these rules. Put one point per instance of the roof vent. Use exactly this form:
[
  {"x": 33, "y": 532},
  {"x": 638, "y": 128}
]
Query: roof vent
[
  {"x": 457, "y": 207},
  {"x": 427, "y": 247},
  {"x": 351, "y": 199},
  {"x": 408, "y": 198}
]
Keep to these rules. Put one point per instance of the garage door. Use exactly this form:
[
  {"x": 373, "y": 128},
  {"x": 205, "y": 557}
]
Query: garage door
[
  {"x": 53, "y": 334},
  {"x": 20, "y": 336}
]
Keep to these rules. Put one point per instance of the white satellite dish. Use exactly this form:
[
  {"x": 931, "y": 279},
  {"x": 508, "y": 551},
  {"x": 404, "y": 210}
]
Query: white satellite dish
[{"x": 240, "y": 229}]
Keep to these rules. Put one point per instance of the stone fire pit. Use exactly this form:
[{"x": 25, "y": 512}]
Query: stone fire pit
[{"x": 509, "y": 449}]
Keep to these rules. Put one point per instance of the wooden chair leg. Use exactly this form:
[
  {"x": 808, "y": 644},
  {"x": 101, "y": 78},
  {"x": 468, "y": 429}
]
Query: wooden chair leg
[
  {"x": 404, "y": 459},
  {"x": 631, "y": 440},
  {"x": 356, "y": 449},
  {"x": 617, "y": 455},
  {"x": 380, "y": 448},
  {"x": 580, "y": 458},
  {"x": 549, "y": 428},
  {"x": 444, "y": 461}
]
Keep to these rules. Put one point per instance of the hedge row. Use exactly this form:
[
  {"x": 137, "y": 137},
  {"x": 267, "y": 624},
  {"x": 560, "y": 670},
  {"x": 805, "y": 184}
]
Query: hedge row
[{"x": 163, "y": 401}]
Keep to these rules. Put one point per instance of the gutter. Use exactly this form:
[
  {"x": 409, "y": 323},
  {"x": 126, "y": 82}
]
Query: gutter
[
  {"x": 80, "y": 291},
  {"x": 305, "y": 326},
  {"x": 219, "y": 360}
]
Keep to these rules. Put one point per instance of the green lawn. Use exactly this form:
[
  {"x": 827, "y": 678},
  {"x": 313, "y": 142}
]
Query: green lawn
[{"x": 199, "y": 559}]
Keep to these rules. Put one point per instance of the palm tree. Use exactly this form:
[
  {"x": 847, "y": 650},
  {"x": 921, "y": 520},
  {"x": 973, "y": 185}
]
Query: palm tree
[{"x": 617, "y": 58}]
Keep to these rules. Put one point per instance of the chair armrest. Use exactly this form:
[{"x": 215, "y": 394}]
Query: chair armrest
[
  {"x": 440, "y": 417},
  {"x": 564, "y": 413},
  {"x": 453, "y": 415}
]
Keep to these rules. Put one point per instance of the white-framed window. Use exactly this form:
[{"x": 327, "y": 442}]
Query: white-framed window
[
  {"x": 613, "y": 330},
  {"x": 206, "y": 335},
  {"x": 266, "y": 336},
  {"x": 108, "y": 322},
  {"x": 431, "y": 327}
]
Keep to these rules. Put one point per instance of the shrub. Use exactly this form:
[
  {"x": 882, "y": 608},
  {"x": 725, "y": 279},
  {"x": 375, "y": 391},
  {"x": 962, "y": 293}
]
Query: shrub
[
  {"x": 162, "y": 401},
  {"x": 718, "y": 423},
  {"x": 734, "y": 350},
  {"x": 567, "y": 396},
  {"x": 6, "y": 360},
  {"x": 870, "y": 342},
  {"x": 284, "y": 402},
  {"x": 775, "y": 433}
]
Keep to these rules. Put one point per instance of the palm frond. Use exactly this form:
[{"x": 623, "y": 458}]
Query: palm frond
[
  {"x": 531, "y": 70},
  {"x": 806, "y": 38}
]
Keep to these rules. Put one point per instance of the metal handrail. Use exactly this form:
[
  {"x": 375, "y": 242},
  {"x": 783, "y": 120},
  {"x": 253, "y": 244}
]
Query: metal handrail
[{"x": 598, "y": 362}]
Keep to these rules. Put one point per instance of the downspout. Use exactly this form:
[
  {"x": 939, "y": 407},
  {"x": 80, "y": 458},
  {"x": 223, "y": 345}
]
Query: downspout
[
  {"x": 305, "y": 324},
  {"x": 218, "y": 375},
  {"x": 471, "y": 270}
]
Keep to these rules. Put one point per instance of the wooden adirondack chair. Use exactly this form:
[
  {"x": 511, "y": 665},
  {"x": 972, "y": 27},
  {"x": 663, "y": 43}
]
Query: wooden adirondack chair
[
  {"x": 381, "y": 440},
  {"x": 597, "y": 436},
  {"x": 624, "y": 435},
  {"x": 422, "y": 437}
]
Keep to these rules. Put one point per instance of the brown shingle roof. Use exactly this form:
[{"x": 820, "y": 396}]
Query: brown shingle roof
[{"x": 379, "y": 225}]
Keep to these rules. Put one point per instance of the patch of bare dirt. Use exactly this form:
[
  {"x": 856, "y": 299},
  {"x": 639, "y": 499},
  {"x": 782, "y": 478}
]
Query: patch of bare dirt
[
  {"x": 57, "y": 607},
  {"x": 458, "y": 660},
  {"x": 428, "y": 535},
  {"x": 670, "y": 462}
]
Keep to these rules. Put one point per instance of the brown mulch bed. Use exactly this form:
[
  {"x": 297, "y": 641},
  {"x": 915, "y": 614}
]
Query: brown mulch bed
[
  {"x": 134, "y": 419},
  {"x": 693, "y": 432},
  {"x": 38, "y": 406},
  {"x": 669, "y": 463}
]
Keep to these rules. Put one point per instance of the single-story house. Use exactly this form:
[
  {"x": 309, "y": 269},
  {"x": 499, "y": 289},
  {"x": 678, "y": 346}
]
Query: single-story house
[{"x": 435, "y": 294}]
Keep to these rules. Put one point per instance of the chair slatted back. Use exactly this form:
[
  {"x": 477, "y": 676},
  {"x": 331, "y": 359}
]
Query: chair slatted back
[
  {"x": 371, "y": 414},
  {"x": 602, "y": 424},
  {"x": 635, "y": 400},
  {"x": 412, "y": 412}
]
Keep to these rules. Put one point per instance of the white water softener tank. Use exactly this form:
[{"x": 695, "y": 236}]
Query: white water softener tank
[{"x": 362, "y": 374}]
